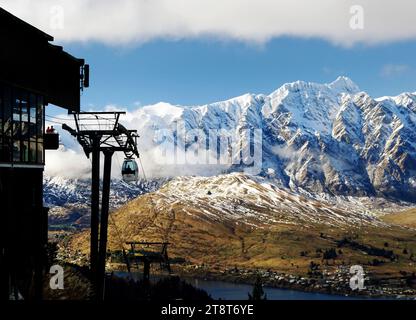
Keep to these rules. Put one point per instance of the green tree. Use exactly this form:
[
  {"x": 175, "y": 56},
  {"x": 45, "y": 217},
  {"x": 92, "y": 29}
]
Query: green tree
[
  {"x": 330, "y": 254},
  {"x": 257, "y": 293}
]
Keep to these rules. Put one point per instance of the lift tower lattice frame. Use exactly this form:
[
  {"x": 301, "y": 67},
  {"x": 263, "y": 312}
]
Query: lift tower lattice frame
[{"x": 101, "y": 132}]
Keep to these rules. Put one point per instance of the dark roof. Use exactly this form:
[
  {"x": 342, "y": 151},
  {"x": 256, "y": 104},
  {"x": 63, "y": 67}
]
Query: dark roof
[
  {"x": 7, "y": 19},
  {"x": 28, "y": 60}
]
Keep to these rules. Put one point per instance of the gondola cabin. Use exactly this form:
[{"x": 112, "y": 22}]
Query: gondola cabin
[{"x": 130, "y": 170}]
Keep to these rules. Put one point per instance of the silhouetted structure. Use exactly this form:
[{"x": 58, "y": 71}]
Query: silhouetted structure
[
  {"x": 33, "y": 73},
  {"x": 100, "y": 132},
  {"x": 140, "y": 253}
]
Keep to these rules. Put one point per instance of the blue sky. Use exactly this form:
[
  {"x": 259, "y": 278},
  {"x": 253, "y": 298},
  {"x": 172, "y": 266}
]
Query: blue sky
[{"x": 189, "y": 72}]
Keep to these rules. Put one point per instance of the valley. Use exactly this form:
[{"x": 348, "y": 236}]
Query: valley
[{"x": 234, "y": 227}]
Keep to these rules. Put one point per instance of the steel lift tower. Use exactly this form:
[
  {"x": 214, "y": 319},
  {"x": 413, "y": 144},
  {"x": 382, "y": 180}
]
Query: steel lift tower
[{"x": 101, "y": 132}]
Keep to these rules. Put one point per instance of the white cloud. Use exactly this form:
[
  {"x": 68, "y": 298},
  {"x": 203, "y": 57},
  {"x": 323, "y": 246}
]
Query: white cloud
[
  {"x": 256, "y": 21},
  {"x": 69, "y": 163},
  {"x": 390, "y": 70}
]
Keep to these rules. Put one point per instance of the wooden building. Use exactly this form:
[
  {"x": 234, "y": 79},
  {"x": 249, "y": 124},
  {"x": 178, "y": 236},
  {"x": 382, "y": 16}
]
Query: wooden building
[{"x": 33, "y": 73}]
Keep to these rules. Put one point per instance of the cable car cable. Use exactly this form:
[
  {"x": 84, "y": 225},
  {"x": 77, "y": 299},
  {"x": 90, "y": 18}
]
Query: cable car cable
[
  {"x": 101, "y": 117},
  {"x": 141, "y": 165},
  {"x": 52, "y": 121},
  {"x": 53, "y": 117}
]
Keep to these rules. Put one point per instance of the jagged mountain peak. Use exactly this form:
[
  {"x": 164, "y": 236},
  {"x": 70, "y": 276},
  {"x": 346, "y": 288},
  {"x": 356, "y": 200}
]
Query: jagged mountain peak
[
  {"x": 405, "y": 99},
  {"x": 344, "y": 84},
  {"x": 341, "y": 85}
]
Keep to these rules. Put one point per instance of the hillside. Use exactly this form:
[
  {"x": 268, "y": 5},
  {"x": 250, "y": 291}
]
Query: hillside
[
  {"x": 238, "y": 220},
  {"x": 406, "y": 218}
]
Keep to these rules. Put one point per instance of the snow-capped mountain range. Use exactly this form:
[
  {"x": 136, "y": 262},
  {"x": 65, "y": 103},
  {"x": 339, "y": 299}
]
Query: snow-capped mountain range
[
  {"x": 330, "y": 138},
  {"x": 316, "y": 138},
  {"x": 69, "y": 199},
  {"x": 59, "y": 191}
]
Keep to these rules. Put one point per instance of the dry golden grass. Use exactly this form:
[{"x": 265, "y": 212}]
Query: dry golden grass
[
  {"x": 405, "y": 218},
  {"x": 199, "y": 239}
]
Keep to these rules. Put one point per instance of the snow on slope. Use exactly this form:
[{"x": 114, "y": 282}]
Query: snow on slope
[
  {"x": 69, "y": 199},
  {"x": 59, "y": 191},
  {"x": 257, "y": 201}
]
